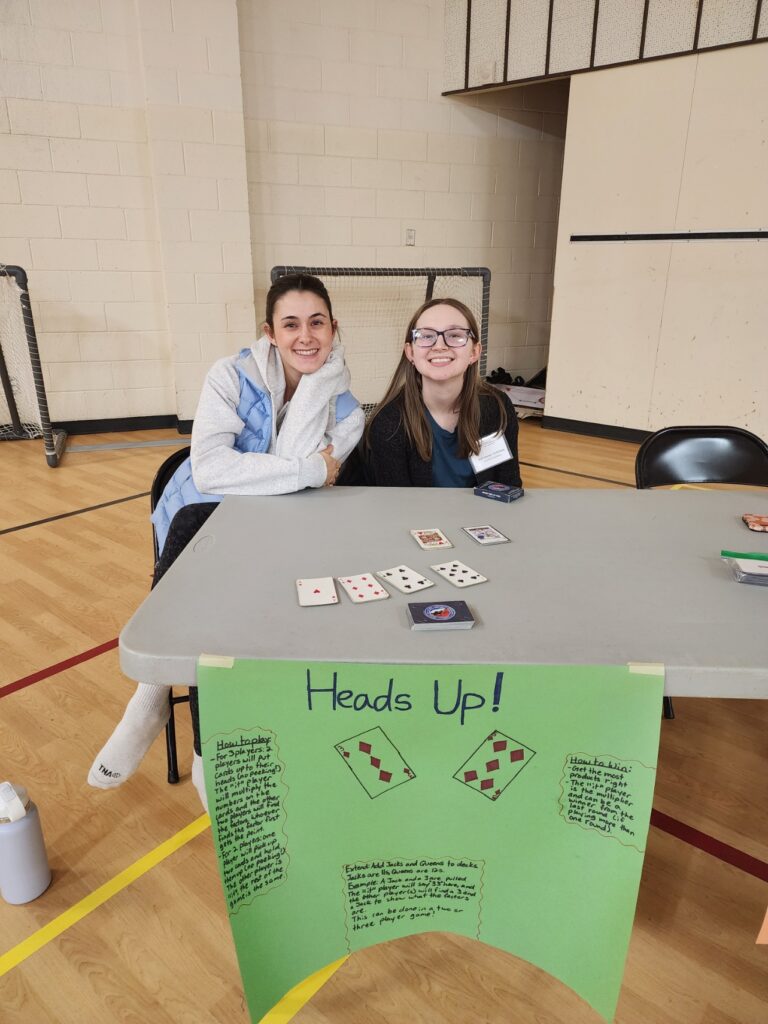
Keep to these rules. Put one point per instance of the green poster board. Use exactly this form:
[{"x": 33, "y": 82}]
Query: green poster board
[{"x": 356, "y": 803}]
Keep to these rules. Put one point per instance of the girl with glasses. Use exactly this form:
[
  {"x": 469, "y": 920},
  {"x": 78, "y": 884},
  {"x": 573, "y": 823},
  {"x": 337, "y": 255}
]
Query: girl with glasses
[{"x": 437, "y": 410}]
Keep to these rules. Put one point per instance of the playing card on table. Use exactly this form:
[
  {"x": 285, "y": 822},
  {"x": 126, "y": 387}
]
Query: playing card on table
[
  {"x": 375, "y": 761},
  {"x": 362, "y": 588},
  {"x": 317, "y": 591},
  {"x": 431, "y": 538},
  {"x": 494, "y": 764},
  {"x": 459, "y": 575},
  {"x": 755, "y": 522},
  {"x": 485, "y": 534},
  {"x": 404, "y": 579}
]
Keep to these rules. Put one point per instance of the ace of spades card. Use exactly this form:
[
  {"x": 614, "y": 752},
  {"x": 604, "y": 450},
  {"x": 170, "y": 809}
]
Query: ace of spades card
[
  {"x": 491, "y": 767},
  {"x": 375, "y": 762}
]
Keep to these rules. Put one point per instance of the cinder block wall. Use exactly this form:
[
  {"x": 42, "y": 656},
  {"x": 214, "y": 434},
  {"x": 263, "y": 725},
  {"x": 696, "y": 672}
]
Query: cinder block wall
[{"x": 158, "y": 157}]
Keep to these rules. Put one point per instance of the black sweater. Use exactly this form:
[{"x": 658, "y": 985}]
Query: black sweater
[{"x": 391, "y": 460}]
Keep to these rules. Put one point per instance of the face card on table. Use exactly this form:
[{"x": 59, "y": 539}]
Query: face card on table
[
  {"x": 363, "y": 588},
  {"x": 431, "y": 538},
  {"x": 459, "y": 574},
  {"x": 317, "y": 591},
  {"x": 404, "y": 579}
]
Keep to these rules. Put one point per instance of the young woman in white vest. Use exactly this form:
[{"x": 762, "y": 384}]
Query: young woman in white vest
[{"x": 275, "y": 418}]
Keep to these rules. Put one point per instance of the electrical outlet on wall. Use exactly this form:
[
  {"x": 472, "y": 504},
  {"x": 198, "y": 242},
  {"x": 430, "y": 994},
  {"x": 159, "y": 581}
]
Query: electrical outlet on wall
[{"x": 410, "y": 236}]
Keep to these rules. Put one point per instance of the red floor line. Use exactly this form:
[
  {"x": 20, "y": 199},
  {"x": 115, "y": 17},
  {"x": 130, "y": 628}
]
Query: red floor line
[
  {"x": 728, "y": 854},
  {"x": 678, "y": 829},
  {"x": 61, "y": 666}
]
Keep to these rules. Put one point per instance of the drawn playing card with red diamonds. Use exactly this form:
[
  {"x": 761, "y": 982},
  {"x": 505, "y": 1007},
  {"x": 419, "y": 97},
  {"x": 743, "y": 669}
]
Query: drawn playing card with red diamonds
[
  {"x": 320, "y": 590},
  {"x": 494, "y": 764},
  {"x": 364, "y": 587},
  {"x": 375, "y": 762}
]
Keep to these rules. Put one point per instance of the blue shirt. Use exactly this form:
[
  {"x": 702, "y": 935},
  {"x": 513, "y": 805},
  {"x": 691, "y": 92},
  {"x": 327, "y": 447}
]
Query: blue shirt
[{"x": 448, "y": 470}]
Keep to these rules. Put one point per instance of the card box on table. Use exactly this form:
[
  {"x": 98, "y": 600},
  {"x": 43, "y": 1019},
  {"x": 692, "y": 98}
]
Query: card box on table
[
  {"x": 499, "y": 492},
  {"x": 440, "y": 615}
]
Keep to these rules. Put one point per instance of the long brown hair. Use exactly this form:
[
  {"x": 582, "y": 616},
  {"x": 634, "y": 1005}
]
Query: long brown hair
[{"x": 406, "y": 387}]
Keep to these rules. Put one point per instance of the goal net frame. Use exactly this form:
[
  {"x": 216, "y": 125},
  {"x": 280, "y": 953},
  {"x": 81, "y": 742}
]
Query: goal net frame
[
  {"x": 431, "y": 277},
  {"x": 23, "y": 382}
]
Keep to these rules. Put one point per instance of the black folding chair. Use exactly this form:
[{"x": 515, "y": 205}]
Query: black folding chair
[
  {"x": 701, "y": 455},
  {"x": 162, "y": 476}
]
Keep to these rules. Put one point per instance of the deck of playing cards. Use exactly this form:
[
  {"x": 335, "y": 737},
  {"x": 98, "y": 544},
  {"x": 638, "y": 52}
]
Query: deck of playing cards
[
  {"x": 431, "y": 538},
  {"x": 499, "y": 492},
  {"x": 485, "y": 534},
  {"x": 749, "y": 570},
  {"x": 440, "y": 615},
  {"x": 459, "y": 575}
]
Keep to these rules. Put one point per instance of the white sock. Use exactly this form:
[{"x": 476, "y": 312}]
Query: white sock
[
  {"x": 198, "y": 779},
  {"x": 146, "y": 715}
]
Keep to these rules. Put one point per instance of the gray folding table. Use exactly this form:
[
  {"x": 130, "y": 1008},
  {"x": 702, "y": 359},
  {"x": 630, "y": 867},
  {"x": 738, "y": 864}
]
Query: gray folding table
[{"x": 589, "y": 577}]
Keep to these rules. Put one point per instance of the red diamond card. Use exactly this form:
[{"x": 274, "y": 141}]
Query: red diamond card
[
  {"x": 375, "y": 762},
  {"x": 494, "y": 764}
]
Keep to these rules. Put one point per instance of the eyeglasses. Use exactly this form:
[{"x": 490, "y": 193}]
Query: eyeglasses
[{"x": 454, "y": 337}]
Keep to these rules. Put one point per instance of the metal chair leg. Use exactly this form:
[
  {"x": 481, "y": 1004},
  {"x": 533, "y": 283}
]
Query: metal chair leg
[
  {"x": 669, "y": 711},
  {"x": 170, "y": 743}
]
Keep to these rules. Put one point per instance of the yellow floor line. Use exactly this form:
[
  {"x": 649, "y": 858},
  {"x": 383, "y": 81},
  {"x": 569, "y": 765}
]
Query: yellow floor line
[
  {"x": 300, "y": 994},
  {"x": 76, "y": 913},
  {"x": 288, "y": 1006}
]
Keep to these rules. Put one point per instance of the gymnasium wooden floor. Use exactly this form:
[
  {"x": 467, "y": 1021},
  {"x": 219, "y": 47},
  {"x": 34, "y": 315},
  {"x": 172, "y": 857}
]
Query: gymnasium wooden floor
[{"x": 75, "y": 561}]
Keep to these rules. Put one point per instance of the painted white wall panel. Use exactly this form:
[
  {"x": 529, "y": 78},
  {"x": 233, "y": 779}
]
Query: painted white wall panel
[
  {"x": 724, "y": 185},
  {"x": 607, "y": 310},
  {"x": 622, "y": 160},
  {"x": 711, "y": 365},
  {"x": 645, "y": 335}
]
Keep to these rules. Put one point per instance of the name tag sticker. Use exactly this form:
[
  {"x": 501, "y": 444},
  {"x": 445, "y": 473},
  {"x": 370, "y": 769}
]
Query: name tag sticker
[{"x": 493, "y": 451}]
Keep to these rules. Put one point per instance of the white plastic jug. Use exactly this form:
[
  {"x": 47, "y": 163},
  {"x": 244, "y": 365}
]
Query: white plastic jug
[{"x": 24, "y": 871}]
